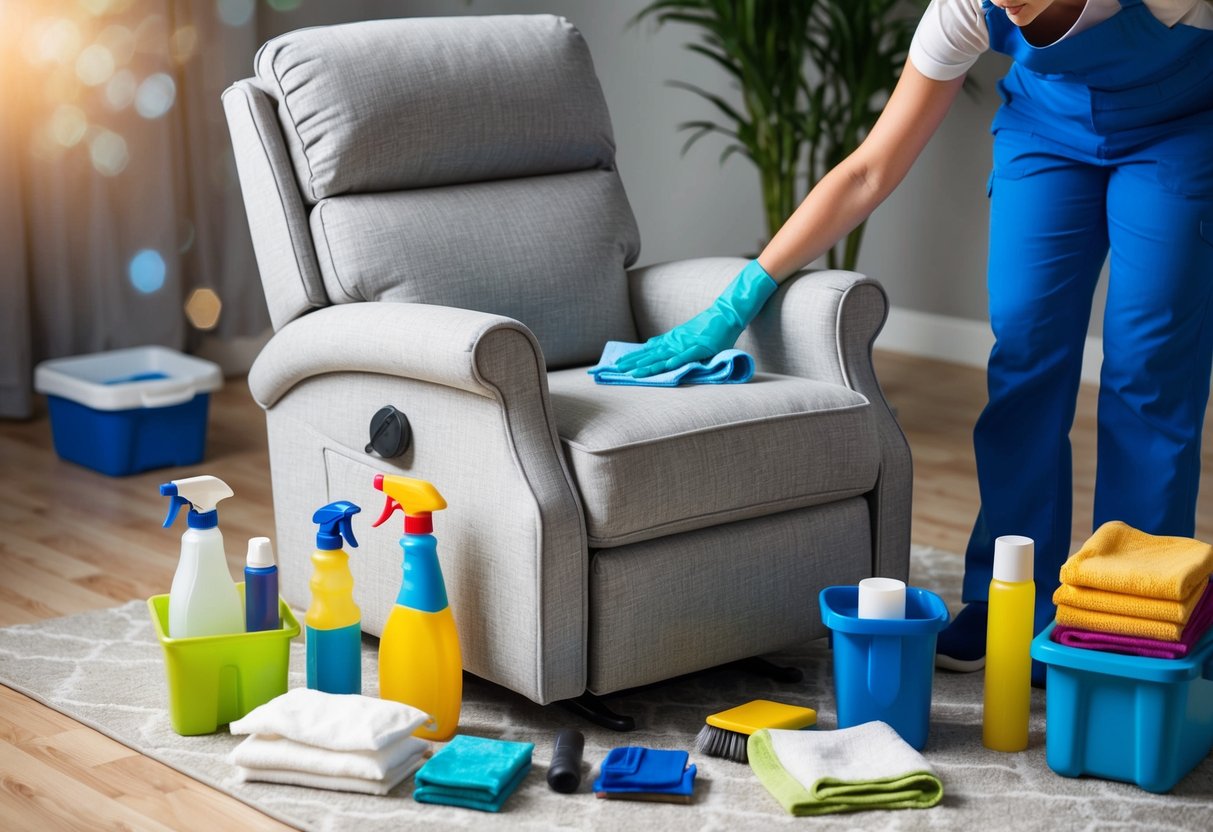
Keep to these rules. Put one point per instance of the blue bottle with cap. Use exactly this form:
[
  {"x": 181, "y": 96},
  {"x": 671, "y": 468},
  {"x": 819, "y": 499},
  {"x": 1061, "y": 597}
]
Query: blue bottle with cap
[
  {"x": 334, "y": 622},
  {"x": 261, "y": 587}
]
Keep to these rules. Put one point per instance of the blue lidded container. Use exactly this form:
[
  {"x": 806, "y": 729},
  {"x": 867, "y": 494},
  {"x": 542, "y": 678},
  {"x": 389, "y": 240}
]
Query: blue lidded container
[{"x": 884, "y": 668}]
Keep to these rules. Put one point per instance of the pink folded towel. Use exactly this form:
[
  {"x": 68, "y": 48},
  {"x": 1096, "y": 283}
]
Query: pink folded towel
[{"x": 1198, "y": 624}]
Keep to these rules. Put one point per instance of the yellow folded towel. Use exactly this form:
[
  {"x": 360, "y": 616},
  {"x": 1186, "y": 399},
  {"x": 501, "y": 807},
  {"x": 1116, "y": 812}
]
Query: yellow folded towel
[
  {"x": 1119, "y": 558},
  {"x": 1135, "y": 606},
  {"x": 1125, "y": 625}
]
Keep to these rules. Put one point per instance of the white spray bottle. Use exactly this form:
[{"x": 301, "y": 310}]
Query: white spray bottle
[{"x": 204, "y": 600}]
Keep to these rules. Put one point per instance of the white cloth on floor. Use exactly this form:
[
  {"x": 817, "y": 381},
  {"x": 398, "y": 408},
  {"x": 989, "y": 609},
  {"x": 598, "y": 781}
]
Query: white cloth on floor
[
  {"x": 322, "y": 781},
  {"x": 337, "y": 722},
  {"x": 279, "y": 753}
]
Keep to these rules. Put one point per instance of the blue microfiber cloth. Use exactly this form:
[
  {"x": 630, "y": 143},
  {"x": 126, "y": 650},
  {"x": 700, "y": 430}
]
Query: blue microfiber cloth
[
  {"x": 474, "y": 772},
  {"x": 634, "y": 769},
  {"x": 727, "y": 367}
]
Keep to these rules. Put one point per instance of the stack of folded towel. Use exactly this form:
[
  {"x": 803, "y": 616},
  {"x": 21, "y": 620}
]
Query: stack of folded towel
[
  {"x": 346, "y": 743},
  {"x": 474, "y": 772},
  {"x": 636, "y": 773},
  {"x": 1129, "y": 592},
  {"x": 866, "y": 766}
]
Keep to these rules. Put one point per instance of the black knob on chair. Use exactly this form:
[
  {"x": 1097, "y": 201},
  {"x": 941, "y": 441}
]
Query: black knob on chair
[{"x": 390, "y": 433}]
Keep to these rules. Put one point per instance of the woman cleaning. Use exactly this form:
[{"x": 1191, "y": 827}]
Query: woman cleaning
[{"x": 1103, "y": 144}]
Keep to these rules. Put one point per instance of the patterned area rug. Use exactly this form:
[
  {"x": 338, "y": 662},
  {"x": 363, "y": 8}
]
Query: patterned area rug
[{"x": 104, "y": 669}]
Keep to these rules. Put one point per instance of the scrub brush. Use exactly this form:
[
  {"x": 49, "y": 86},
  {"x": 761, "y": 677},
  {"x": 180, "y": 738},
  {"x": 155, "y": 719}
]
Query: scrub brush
[{"x": 726, "y": 733}]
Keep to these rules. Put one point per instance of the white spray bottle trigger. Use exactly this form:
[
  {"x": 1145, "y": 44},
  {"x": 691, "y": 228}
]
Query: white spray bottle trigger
[{"x": 201, "y": 493}]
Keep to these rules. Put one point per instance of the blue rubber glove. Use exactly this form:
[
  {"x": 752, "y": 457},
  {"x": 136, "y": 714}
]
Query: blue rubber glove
[{"x": 713, "y": 330}]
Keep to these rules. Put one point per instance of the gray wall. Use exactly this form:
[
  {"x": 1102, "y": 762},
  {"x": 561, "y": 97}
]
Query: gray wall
[{"x": 927, "y": 243}]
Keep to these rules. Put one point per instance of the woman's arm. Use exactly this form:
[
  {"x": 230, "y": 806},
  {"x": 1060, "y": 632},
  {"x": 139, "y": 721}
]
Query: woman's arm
[{"x": 851, "y": 191}]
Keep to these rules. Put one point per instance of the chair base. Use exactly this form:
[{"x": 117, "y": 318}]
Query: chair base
[{"x": 588, "y": 706}]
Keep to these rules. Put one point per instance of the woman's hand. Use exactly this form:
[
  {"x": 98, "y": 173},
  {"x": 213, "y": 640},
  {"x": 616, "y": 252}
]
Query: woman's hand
[{"x": 711, "y": 331}]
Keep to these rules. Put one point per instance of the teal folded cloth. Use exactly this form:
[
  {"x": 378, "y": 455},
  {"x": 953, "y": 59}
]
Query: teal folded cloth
[
  {"x": 823, "y": 772},
  {"x": 726, "y": 367},
  {"x": 474, "y": 772}
]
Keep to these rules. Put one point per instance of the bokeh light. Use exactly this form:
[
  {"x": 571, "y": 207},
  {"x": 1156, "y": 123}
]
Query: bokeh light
[
  {"x": 120, "y": 91},
  {"x": 235, "y": 12},
  {"x": 155, "y": 95},
  {"x": 183, "y": 43},
  {"x": 120, "y": 41},
  {"x": 57, "y": 41},
  {"x": 203, "y": 308},
  {"x": 68, "y": 125},
  {"x": 147, "y": 271},
  {"x": 108, "y": 152},
  {"x": 96, "y": 7},
  {"x": 95, "y": 65}
]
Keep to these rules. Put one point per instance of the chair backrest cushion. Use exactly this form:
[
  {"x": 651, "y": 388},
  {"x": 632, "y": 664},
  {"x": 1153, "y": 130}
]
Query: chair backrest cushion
[{"x": 463, "y": 161}]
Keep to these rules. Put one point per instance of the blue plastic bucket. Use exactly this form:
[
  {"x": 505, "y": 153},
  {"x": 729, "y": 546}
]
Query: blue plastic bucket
[{"x": 883, "y": 669}]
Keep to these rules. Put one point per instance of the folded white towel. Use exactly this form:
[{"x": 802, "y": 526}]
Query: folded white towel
[
  {"x": 323, "y": 781},
  {"x": 871, "y": 751},
  {"x": 280, "y": 753},
  {"x": 338, "y": 722}
]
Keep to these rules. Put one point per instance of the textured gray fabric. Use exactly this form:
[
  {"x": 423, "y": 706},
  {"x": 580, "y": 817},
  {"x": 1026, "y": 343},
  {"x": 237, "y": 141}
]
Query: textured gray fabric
[
  {"x": 276, "y": 217},
  {"x": 549, "y": 251},
  {"x": 819, "y": 325},
  {"x": 389, "y": 104},
  {"x": 511, "y": 543},
  {"x": 653, "y": 462},
  {"x": 689, "y": 601}
]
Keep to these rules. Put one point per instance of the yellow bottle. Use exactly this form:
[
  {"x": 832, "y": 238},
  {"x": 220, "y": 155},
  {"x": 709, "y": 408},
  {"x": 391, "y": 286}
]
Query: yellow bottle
[
  {"x": 420, "y": 663},
  {"x": 1008, "y": 682}
]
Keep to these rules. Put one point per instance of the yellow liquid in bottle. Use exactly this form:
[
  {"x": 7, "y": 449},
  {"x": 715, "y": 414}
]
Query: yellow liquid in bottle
[
  {"x": 1008, "y": 683},
  {"x": 420, "y": 665}
]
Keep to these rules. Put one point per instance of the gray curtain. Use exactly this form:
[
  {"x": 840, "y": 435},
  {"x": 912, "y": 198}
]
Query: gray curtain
[{"x": 118, "y": 193}]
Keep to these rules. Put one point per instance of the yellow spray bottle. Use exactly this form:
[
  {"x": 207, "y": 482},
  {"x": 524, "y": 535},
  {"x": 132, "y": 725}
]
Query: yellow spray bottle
[{"x": 419, "y": 659}]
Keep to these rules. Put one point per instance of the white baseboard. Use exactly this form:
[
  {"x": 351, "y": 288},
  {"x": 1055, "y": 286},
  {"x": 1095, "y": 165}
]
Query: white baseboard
[{"x": 959, "y": 340}]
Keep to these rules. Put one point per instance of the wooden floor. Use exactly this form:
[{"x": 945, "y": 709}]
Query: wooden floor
[{"x": 62, "y": 526}]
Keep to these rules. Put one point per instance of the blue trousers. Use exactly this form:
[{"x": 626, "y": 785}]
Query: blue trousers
[{"x": 1056, "y": 211}]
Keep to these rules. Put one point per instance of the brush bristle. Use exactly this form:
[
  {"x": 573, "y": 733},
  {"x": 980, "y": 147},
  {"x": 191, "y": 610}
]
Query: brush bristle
[{"x": 717, "y": 742}]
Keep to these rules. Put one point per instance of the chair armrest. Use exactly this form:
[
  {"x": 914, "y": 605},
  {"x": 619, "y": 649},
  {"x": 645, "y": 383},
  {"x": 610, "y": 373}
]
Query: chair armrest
[
  {"x": 438, "y": 344},
  {"x": 819, "y": 325}
]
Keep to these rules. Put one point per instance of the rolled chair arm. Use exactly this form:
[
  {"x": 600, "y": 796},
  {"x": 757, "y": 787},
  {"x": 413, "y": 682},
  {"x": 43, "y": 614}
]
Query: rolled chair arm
[{"x": 819, "y": 325}]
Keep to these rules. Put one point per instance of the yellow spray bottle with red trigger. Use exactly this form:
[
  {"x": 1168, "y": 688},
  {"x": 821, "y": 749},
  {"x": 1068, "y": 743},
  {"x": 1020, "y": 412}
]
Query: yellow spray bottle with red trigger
[{"x": 419, "y": 659}]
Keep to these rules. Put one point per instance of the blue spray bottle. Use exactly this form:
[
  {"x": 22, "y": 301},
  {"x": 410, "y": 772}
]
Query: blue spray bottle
[{"x": 334, "y": 622}]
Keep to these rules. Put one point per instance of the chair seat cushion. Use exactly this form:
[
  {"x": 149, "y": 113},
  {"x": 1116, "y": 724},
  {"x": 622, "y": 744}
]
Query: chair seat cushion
[{"x": 649, "y": 462}]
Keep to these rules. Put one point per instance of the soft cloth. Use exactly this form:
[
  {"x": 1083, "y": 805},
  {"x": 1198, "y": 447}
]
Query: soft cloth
[
  {"x": 634, "y": 772},
  {"x": 261, "y": 752},
  {"x": 332, "y": 783},
  {"x": 474, "y": 772},
  {"x": 1119, "y": 558},
  {"x": 726, "y": 367},
  {"x": 823, "y": 772},
  {"x": 337, "y": 722},
  {"x": 1125, "y": 625},
  {"x": 1136, "y": 606},
  {"x": 1199, "y": 624}
]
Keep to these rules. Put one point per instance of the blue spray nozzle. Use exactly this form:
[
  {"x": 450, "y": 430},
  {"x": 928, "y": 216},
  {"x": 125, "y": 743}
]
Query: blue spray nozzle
[
  {"x": 201, "y": 494},
  {"x": 169, "y": 489},
  {"x": 334, "y": 521}
]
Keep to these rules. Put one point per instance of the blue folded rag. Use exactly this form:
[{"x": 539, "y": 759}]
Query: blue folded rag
[
  {"x": 634, "y": 769},
  {"x": 726, "y": 367},
  {"x": 474, "y": 772}
]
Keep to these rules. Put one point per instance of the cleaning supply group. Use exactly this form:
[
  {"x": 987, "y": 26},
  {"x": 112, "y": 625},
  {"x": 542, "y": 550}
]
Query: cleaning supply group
[{"x": 883, "y": 637}]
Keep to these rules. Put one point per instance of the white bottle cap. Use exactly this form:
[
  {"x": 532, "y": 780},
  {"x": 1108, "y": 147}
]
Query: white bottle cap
[
  {"x": 882, "y": 598},
  {"x": 260, "y": 552},
  {"x": 1014, "y": 556}
]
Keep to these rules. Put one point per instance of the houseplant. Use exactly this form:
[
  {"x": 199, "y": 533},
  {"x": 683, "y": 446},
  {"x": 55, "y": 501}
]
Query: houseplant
[{"x": 813, "y": 76}]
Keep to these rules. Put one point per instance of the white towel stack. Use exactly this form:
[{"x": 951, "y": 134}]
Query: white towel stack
[{"x": 347, "y": 743}]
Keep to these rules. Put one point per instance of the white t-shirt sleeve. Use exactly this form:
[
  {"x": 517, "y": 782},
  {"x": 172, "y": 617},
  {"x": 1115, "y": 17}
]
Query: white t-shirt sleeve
[{"x": 949, "y": 39}]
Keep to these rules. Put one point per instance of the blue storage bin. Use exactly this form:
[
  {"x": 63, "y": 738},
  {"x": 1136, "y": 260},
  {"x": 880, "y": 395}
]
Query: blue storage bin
[
  {"x": 1129, "y": 718},
  {"x": 884, "y": 668},
  {"x": 131, "y": 410}
]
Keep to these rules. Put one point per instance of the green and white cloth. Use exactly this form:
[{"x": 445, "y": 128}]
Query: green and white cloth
[{"x": 824, "y": 772}]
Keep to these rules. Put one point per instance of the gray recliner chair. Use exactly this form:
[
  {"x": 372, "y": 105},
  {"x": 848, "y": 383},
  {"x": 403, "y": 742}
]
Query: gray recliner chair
[{"x": 440, "y": 227}]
